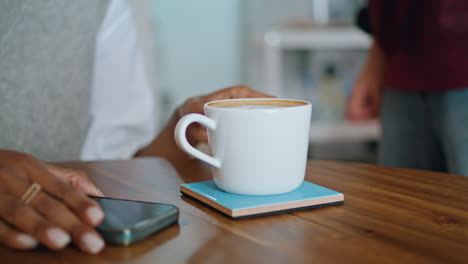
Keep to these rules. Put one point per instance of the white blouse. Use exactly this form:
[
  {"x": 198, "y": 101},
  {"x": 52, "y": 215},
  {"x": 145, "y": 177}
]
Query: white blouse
[{"x": 122, "y": 106}]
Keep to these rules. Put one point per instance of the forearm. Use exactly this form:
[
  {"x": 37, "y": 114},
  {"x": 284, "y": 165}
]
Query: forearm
[{"x": 164, "y": 144}]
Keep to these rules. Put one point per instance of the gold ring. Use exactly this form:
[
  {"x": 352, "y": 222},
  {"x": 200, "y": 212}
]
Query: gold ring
[{"x": 31, "y": 192}]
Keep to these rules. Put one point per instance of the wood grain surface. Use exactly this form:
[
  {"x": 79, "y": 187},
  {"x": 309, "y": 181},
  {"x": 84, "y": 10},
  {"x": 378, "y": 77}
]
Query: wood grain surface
[{"x": 390, "y": 215}]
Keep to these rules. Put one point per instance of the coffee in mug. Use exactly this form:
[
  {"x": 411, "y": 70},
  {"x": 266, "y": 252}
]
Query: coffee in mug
[{"x": 258, "y": 146}]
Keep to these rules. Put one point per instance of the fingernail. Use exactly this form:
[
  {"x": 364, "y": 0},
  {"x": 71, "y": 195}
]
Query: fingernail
[
  {"x": 100, "y": 192},
  {"x": 94, "y": 214},
  {"x": 92, "y": 243},
  {"x": 58, "y": 237},
  {"x": 26, "y": 241}
]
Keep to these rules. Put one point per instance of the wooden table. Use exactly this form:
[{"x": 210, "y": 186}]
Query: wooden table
[{"x": 390, "y": 216}]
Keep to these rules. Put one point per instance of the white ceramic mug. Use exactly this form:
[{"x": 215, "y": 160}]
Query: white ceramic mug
[{"x": 258, "y": 146}]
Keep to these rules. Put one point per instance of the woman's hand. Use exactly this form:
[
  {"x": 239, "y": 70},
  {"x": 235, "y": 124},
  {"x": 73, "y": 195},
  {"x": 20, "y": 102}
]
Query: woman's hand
[
  {"x": 164, "y": 145},
  {"x": 197, "y": 133},
  {"x": 61, "y": 212}
]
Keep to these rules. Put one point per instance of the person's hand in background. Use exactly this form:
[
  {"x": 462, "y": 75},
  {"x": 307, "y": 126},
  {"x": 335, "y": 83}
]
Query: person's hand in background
[
  {"x": 164, "y": 145},
  {"x": 58, "y": 214},
  {"x": 365, "y": 99}
]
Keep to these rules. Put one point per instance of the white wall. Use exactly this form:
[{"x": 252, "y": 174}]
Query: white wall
[{"x": 198, "y": 47}]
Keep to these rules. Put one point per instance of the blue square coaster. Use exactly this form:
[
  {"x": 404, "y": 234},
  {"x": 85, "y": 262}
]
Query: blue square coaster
[{"x": 308, "y": 195}]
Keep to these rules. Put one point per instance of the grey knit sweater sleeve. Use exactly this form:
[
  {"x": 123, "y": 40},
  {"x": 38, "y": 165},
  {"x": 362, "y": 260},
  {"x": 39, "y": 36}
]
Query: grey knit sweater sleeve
[{"x": 46, "y": 59}]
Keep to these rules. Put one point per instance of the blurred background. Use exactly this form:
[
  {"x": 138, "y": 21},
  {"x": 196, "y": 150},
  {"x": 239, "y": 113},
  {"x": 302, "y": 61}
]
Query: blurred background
[{"x": 301, "y": 49}]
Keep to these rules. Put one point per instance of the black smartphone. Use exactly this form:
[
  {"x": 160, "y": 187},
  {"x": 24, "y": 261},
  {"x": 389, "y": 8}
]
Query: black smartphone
[{"x": 127, "y": 221}]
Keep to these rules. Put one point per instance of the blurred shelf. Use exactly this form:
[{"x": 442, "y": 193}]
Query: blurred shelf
[
  {"x": 313, "y": 39},
  {"x": 324, "y": 132},
  {"x": 339, "y": 38},
  {"x": 323, "y": 38}
]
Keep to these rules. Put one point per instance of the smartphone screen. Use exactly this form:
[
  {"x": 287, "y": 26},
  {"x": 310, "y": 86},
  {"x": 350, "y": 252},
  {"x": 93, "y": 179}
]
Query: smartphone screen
[{"x": 128, "y": 221}]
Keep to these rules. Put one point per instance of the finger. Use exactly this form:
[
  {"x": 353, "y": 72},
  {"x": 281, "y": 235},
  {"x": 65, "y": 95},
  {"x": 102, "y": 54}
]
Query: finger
[
  {"x": 359, "y": 112},
  {"x": 353, "y": 111},
  {"x": 14, "y": 239},
  {"x": 57, "y": 213},
  {"x": 75, "y": 178},
  {"x": 85, "y": 208},
  {"x": 358, "y": 107},
  {"x": 197, "y": 133},
  {"x": 195, "y": 104},
  {"x": 26, "y": 219},
  {"x": 240, "y": 91}
]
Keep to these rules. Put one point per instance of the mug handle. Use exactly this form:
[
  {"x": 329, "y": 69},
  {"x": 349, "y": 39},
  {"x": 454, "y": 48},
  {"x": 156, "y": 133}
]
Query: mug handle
[{"x": 182, "y": 142}]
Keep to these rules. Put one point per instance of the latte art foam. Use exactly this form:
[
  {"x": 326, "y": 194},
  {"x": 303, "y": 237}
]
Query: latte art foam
[
  {"x": 257, "y": 103},
  {"x": 256, "y": 107}
]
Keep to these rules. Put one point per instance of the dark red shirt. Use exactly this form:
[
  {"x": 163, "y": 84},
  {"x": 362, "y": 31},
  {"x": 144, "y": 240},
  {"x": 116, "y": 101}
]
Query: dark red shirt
[{"x": 425, "y": 43}]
